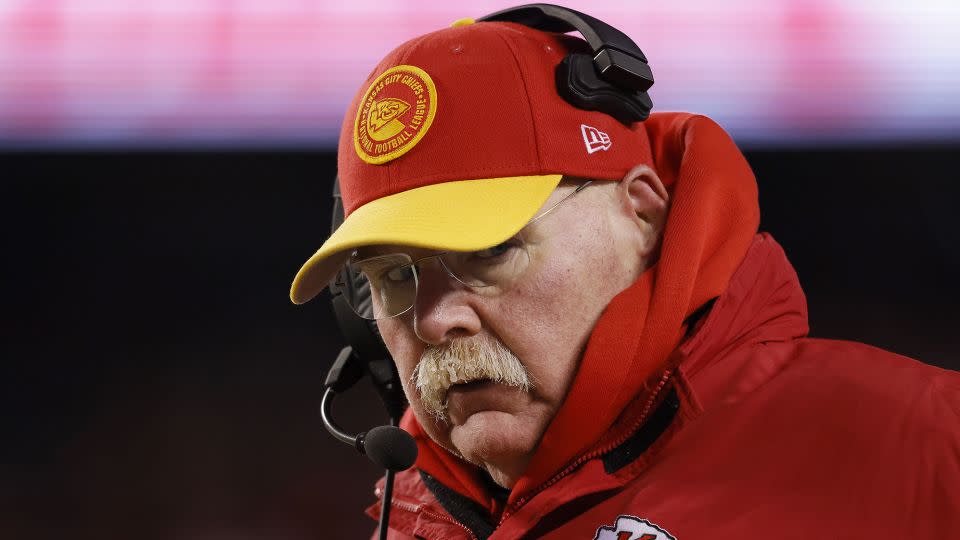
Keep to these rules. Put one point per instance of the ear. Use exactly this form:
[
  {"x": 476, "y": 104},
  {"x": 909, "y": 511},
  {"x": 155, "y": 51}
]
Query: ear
[{"x": 646, "y": 202}]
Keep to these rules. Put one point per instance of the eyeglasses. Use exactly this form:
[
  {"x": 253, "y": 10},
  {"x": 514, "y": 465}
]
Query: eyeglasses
[{"x": 394, "y": 278}]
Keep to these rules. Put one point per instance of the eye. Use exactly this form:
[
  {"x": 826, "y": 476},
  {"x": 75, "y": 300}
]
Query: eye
[
  {"x": 494, "y": 251},
  {"x": 400, "y": 273}
]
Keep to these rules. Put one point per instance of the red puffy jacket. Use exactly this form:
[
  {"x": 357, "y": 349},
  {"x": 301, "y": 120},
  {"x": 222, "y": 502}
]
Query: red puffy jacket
[{"x": 756, "y": 431}]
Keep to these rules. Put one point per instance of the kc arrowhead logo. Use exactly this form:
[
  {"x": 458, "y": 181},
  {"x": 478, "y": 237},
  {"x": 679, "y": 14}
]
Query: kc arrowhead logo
[
  {"x": 382, "y": 121},
  {"x": 594, "y": 139},
  {"x": 632, "y": 528}
]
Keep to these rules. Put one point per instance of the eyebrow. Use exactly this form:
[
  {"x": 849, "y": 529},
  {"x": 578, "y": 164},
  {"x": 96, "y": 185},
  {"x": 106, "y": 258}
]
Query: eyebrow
[{"x": 366, "y": 252}]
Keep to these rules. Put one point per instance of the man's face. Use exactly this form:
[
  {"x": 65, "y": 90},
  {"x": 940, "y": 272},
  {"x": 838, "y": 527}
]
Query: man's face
[{"x": 579, "y": 257}]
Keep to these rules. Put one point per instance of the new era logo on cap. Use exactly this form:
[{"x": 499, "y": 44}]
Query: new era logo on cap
[{"x": 594, "y": 139}]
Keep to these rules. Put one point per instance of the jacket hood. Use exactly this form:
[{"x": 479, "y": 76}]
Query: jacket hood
[
  {"x": 763, "y": 303},
  {"x": 713, "y": 218}
]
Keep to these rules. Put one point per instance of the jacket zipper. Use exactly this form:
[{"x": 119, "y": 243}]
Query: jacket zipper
[
  {"x": 513, "y": 508},
  {"x": 420, "y": 508},
  {"x": 417, "y": 508}
]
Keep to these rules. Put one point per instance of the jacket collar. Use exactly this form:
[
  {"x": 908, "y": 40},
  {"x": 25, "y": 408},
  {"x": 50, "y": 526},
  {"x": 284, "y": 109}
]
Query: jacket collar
[{"x": 763, "y": 303}]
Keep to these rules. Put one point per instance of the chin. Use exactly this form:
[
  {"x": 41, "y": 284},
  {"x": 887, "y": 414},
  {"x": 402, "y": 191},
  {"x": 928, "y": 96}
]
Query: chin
[{"x": 500, "y": 442}]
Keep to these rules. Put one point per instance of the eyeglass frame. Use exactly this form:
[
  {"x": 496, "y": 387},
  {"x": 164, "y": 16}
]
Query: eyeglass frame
[{"x": 416, "y": 273}]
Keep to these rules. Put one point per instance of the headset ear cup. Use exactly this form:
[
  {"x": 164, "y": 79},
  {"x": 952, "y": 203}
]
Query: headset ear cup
[
  {"x": 355, "y": 289},
  {"x": 580, "y": 85},
  {"x": 362, "y": 334}
]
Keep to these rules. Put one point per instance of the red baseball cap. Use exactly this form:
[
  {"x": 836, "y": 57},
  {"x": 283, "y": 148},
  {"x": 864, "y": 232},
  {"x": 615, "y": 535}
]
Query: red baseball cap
[{"x": 457, "y": 138}]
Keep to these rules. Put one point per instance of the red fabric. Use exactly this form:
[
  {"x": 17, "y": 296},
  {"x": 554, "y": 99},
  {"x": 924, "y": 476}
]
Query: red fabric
[{"x": 778, "y": 436}]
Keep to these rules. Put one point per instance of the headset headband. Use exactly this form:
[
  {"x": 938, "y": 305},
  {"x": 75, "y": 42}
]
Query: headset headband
[{"x": 614, "y": 80}]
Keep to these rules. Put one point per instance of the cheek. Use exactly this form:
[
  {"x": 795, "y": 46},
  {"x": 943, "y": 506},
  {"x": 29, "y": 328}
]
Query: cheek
[
  {"x": 403, "y": 345},
  {"x": 546, "y": 324},
  {"x": 573, "y": 276},
  {"x": 548, "y": 320}
]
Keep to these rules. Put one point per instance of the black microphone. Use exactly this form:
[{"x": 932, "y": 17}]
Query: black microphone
[{"x": 388, "y": 446}]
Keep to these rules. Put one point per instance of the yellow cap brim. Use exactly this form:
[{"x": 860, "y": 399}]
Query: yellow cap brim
[{"x": 465, "y": 215}]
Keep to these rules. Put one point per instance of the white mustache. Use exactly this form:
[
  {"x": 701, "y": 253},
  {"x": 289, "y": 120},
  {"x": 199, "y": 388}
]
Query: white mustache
[{"x": 464, "y": 360}]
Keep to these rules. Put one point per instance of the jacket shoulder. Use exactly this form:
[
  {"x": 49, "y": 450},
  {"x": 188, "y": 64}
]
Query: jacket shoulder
[{"x": 923, "y": 397}]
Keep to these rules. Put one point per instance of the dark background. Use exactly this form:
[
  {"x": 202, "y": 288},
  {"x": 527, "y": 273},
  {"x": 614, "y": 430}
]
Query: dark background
[{"x": 157, "y": 383}]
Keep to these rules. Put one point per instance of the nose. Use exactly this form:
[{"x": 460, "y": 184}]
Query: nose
[{"x": 442, "y": 309}]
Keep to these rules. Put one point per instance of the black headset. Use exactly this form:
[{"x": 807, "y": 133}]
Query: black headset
[{"x": 614, "y": 79}]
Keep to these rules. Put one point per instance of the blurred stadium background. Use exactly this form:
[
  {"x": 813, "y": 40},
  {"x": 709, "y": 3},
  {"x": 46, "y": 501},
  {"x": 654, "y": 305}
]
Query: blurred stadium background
[{"x": 166, "y": 167}]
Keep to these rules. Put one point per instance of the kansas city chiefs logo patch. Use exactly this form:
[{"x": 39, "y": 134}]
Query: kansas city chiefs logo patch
[
  {"x": 632, "y": 528},
  {"x": 395, "y": 113}
]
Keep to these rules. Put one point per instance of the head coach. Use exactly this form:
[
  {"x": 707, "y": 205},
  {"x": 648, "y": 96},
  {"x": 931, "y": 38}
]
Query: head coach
[{"x": 594, "y": 339}]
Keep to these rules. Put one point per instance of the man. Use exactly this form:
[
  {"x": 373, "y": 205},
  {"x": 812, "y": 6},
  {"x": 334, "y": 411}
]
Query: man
[{"x": 594, "y": 340}]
